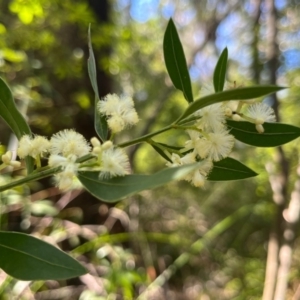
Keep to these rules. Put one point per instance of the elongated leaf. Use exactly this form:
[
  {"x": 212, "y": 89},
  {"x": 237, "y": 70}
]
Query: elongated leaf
[
  {"x": 10, "y": 113},
  {"x": 28, "y": 258},
  {"x": 275, "y": 134},
  {"x": 230, "y": 169},
  {"x": 235, "y": 94},
  {"x": 160, "y": 151},
  {"x": 117, "y": 188},
  {"x": 220, "y": 71},
  {"x": 100, "y": 121},
  {"x": 92, "y": 65},
  {"x": 13, "y": 118},
  {"x": 170, "y": 147},
  {"x": 176, "y": 63}
]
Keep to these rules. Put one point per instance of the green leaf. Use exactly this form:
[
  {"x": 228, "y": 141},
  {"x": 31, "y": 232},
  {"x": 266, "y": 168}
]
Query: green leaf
[
  {"x": 235, "y": 94},
  {"x": 220, "y": 71},
  {"x": 100, "y": 121},
  {"x": 13, "y": 118},
  {"x": 176, "y": 63},
  {"x": 117, "y": 188},
  {"x": 275, "y": 134},
  {"x": 159, "y": 148},
  {"x": 28, "y": 258},
  {"x": 10, "y": 113},
  {"x": 230, "y": 169},
  {"x": 161, "y": 152}
]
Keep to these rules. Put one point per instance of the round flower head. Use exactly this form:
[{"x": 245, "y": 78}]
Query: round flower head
[
  {"x": 212, "y": 117},
  {"x": 24, "y": 147},
  {"x": 216, "y": 146},
  {"x": 116, "y": 123},
  {"x": 126, "y": 109},
  {"x": 114, "y": 163},
  {"x": 34, "y": 147},
  {"x": 69, "y": 142},
  {"x": 120, "y": 112},
  {"x": 39, "y": 146},
  {"x": 261, "y": 113},
  {"x": 107, "y": 106}
]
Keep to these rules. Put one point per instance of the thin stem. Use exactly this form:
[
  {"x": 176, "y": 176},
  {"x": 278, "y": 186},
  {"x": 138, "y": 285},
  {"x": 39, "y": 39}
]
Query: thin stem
[
  {"x": 38, "y": 162},
  {"x": 43, "y": 172},
  {"x": 189, "y": 119},
  {"x": 31, "y": 177},
  {"x": 187, "y": 128},
  {"x": 165, "y": 149},
  {"x": 145, "y": 137}
]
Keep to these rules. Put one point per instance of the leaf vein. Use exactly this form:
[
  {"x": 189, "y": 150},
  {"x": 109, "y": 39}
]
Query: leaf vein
[{"x": 37, "y": 258}]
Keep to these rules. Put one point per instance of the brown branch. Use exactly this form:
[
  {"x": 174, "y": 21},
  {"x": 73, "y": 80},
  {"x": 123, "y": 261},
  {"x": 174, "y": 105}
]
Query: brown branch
[{"x": 279, "y": 253}]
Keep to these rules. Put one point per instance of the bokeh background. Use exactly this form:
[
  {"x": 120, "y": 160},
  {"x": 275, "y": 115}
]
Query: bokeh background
[{"x": 126, "y": 246}]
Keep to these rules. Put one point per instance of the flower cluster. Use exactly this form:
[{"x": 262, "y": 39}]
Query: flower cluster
[
  {"x": 210, "y": 140},
  {"x": 35, "y": 146},
  {"x": 67, "y": 148},
  {"x": 7, "y": 160}
]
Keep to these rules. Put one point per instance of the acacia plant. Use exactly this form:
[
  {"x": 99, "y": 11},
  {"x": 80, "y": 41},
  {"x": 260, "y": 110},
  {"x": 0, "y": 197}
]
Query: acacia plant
[{"x": 211, "y": 123}]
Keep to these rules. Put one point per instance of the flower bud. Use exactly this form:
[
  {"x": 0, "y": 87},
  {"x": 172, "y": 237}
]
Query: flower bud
[{"x": 260, "y": 128}]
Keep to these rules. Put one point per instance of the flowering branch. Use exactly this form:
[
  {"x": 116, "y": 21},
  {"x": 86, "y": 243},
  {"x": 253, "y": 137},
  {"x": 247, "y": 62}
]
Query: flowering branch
[
  {"x": 211, "y": 123},
  {"x": 39, "y": 174}
]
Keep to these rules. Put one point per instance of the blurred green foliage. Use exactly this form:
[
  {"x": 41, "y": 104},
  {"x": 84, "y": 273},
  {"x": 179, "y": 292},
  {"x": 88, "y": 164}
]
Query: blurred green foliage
[{"x": 43, "y": 53}]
